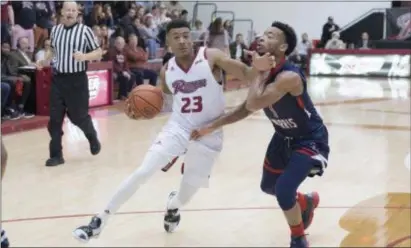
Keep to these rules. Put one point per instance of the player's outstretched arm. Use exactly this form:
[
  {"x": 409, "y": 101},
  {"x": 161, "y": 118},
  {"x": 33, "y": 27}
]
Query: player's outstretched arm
[
  {"x": 261, "y": 95},
  {"x": 237, "y": 68},
  {"x": 237, "y": 114}
]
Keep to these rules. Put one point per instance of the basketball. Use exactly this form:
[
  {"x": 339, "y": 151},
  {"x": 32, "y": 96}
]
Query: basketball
[{"x": 146, "y": 101}]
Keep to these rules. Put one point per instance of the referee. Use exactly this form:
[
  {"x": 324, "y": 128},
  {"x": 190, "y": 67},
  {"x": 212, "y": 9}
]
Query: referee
[{"x": 73, "y": 45}]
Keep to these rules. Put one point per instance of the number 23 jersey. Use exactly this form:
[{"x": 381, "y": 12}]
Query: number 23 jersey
[{"x": 198, "y": 98}]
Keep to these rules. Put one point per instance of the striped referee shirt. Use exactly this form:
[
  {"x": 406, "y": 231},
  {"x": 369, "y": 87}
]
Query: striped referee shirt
[{"x": 66, "y": 41}]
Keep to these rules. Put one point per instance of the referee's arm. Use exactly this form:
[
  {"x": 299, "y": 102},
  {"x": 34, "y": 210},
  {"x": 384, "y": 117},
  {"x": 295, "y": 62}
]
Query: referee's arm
[{"x": 92, "y": 45}]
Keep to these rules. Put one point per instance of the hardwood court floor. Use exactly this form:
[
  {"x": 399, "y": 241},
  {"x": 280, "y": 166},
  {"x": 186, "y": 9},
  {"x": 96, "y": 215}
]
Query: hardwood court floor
[{"x": 365, "y": 191}]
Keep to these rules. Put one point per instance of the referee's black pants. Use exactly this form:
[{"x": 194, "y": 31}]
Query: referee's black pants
[{"x": 69, "y": 94}]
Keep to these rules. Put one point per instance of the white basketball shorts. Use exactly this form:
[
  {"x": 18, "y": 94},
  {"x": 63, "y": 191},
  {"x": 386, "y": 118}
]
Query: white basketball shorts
[{"x": 199, "y": 156}]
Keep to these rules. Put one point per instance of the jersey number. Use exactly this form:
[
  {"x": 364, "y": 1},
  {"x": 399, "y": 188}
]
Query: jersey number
[{"x": 192, "y": 105}]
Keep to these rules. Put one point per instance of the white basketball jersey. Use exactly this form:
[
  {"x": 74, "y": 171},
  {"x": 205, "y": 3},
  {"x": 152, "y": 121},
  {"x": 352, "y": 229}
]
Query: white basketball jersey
[{"x": 198, "y": 98}]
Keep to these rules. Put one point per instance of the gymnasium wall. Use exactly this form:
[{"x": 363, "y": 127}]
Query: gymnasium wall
[{"x": 304, "y": 16}]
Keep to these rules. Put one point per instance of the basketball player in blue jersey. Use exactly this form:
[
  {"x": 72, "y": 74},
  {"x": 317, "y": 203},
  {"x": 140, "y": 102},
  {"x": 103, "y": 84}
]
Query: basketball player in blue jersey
[
  {"x": 299, "y": 146},
  {"x": 4, "y": 239}
]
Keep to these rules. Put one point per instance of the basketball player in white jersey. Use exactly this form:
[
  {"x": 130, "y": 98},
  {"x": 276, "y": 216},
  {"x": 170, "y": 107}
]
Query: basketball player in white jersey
[{"x": 198, "y": 99}]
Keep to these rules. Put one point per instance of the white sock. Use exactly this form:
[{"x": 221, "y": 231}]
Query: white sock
[
  {"x": 184, "y": 195},
  {"x": 153, "y": 161}
]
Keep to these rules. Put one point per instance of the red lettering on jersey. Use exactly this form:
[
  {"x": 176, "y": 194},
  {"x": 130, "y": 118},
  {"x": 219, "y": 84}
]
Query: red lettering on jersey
[{"x": 188, "y": 87}]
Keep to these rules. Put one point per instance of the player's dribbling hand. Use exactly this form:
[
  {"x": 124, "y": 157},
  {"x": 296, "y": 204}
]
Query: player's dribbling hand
[
  {"x": 261, "y": 63},
  {"x": 197, "y": 134}
]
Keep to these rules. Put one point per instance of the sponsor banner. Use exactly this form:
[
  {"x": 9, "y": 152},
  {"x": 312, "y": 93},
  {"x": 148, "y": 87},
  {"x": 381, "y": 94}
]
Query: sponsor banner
[
  {"x": 98, "y": 86},
  {"x": 388, "y": 65},
  {"x": 398, "y": 23}
]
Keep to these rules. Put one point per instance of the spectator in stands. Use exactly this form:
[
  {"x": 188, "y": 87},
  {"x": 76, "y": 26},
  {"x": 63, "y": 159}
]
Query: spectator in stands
[
  {"x": 174, "y": 5},
  {"x": 87, "y": 7},
  {"x": 299, "y": 56},
  {"x": 97, "y": 32},
  {"x": 97, "y": 16},
  {"x": 198, "y": 32},
  {"x": 40, "y": 55},
  {"x": 328, "y": 29},
  {"x": 43, "y": 17},
  {"x": 127, "y": 20},
  {"x": 140, "y": 12},
  {"x": 184, "y": 15},
  {"x": 228, "y": 26},
  {"x": 175, "y": 14},
  {"x": 25, "y": 22},
  {"x": 109, "y": 16},
  {"x": 161, "y": 18},
  {"x": 104, "y": 37},
  {"x": 146, "y": 4},
  {"x": 137, "y": 59},
  {"x": 9, "y": 111},
  {"x": 365, "y": 43},
  {"x": 136, "y": 28},
  {"x": 80, "y": 19},
  {"x": 335, "y": 42},
  {"x": 120, "y": 9},
  {"x": 122, "y": 73},
  {"x": 119, "y": 31},
  {"x": 5, "y": 93},
  {"x": 7, "y": 21},
  {"x": 237, "y": 49},
  {"x": 150, "y": 33},
  {"x": 217, "y": 36},
  {"x": 254, "y": 43},
  {"x": 11, "y": 75}
]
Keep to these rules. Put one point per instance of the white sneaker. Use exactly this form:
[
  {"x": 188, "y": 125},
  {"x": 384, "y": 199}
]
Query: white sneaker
[
  {"x": 171, "y": 216},
  {"x": 92, "y": 230}
]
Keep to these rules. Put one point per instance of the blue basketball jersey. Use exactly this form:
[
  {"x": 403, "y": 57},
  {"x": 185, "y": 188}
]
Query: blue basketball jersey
[{"x": 293, "y": 116}]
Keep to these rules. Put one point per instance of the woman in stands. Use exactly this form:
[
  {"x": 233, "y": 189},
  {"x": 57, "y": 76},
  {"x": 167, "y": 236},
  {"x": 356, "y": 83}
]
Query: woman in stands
[{"x": 137, "y": 59}]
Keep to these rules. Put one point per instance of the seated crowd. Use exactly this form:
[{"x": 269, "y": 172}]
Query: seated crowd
[{"x": 131, "y": 34}]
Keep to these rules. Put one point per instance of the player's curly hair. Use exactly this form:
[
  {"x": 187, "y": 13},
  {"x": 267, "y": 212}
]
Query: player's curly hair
[
  {"x": 177, "y": 24},
  {"x": 290, "y": 36}
]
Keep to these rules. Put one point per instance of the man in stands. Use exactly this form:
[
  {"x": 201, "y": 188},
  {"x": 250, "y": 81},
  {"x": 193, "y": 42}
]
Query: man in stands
[
  {"x": 122, "y": 73},
  {"x": 299, "y": 56},
  {"x": 25, "y": 23},
  {"x": 237, "y": 49},
  {"x": 365, "y": 42},
  {"x": 328, "y": 29},
  {"x": 335, "y": 42},
  {"x": 10, "y": 61},
  {"x": 7, "y": 20},
  {"x": 137, "y": 59}
]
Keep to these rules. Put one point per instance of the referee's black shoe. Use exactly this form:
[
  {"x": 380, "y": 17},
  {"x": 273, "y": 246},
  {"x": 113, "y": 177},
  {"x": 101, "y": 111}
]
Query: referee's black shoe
[
  {"x": 95, "y": 145},
  {"x": 54, "y": 161}
]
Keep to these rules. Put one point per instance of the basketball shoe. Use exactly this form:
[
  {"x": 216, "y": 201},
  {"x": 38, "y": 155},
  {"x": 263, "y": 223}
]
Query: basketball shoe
[
  {"x": 171, "y": 216},
  {"x": 4, "y": 240},
  {"x": 299, "y": 242},
  {"x": 308, "y": 203},
  {"x": 92, "y": 230}
]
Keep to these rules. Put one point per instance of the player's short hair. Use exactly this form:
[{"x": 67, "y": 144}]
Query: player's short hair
[
  {"x": 290, "y": 36},
  {"x": 177, "y": 24}
]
